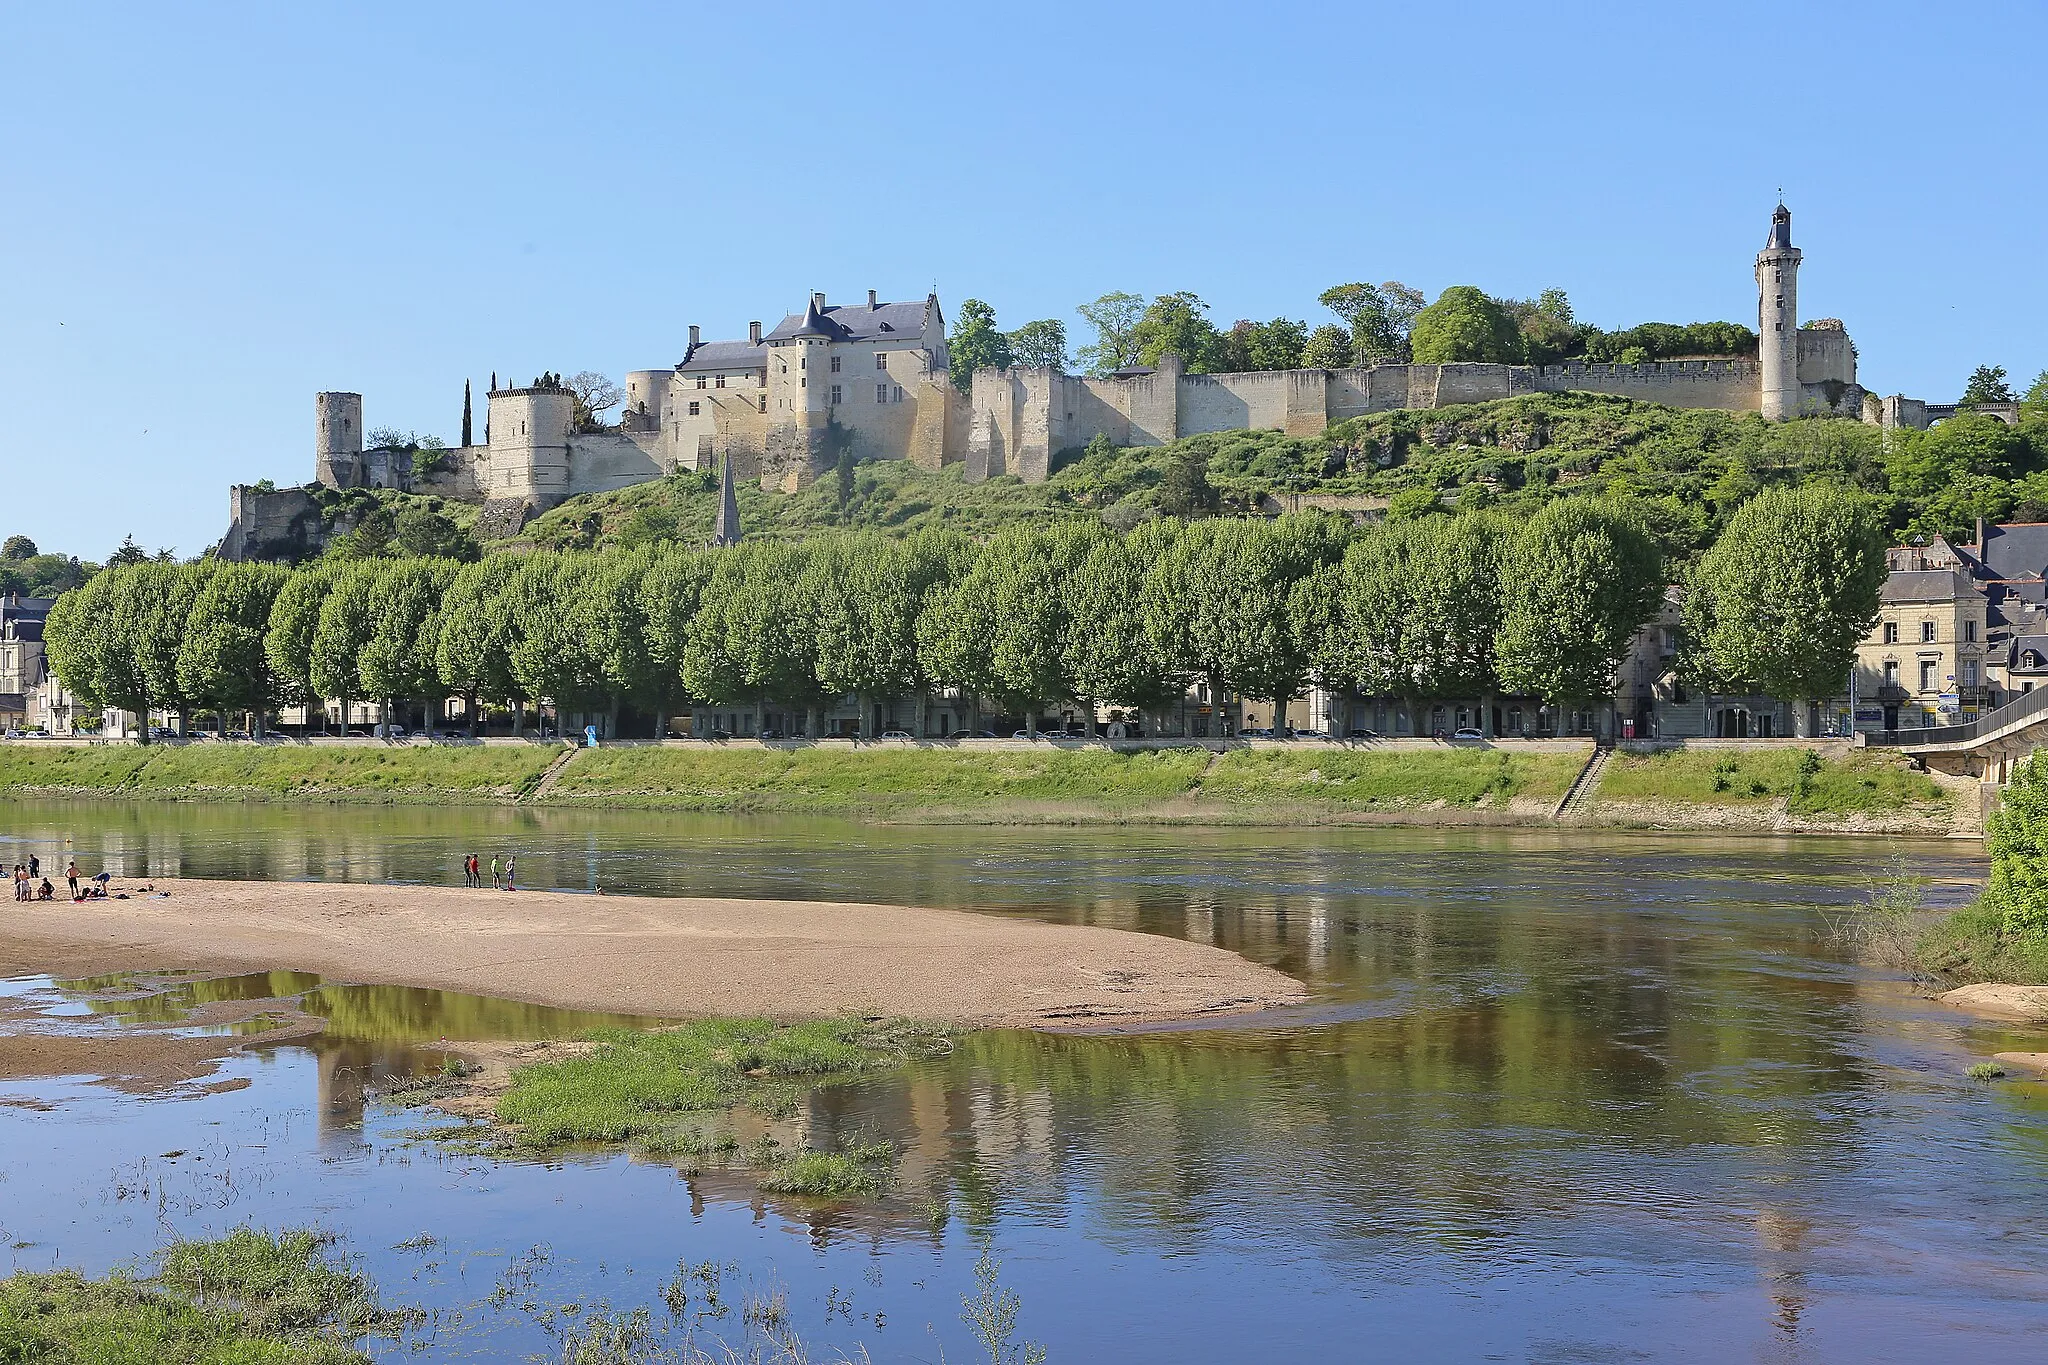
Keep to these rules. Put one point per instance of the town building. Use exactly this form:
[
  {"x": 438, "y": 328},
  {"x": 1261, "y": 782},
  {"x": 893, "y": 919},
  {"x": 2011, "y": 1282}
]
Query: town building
[{"x": 23, "y": 666}]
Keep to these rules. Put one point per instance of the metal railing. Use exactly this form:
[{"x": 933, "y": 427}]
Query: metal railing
[{"x": 2025, "y": 705}]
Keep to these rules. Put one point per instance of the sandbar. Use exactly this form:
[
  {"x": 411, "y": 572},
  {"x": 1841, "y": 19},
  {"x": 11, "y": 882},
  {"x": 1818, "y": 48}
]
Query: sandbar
[
  {"x": 673, "y": 956},
  {"x": 2000, "y": 1001}
]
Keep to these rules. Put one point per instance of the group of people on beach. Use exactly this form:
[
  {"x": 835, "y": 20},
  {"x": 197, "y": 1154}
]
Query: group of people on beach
[
  {"x": 473, "y": 872},
  {"x": 31, "y": 885}
]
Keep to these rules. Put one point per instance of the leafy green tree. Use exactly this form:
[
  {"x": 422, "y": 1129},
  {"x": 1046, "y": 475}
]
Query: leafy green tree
[
  {"x": 1454, "y": 610},
  {"x": 472, "y": 648},
  {"x": 864, "y": 608},
  {"x": 753, "y": 638},
  {"x": 533, "y": 613},
  {"x": 1577, "y": 583},
  {"x": 1987, "y": 385},
  {"x": 1040, "y": 345},
  {"x": 347, "y": 621},
  {"x": 18, "y": 547},
  {"x": 2017, "y": 839},
  {"x": 288, "y": 640},
  {"x": 1375, "y": 611},
  {"x": 1549, "y": 331},
  {"x": 976, "y": 344},
  {"x": 1412, "y": 503},
  {"x": 1114, "y": 317},
  {"x": 1021, "y": 571},
  {"x": 115, "y": 640},
  {"x": 954, "y": 647},
  {"x": 671, "y": 592},
  {"x": 1328, "y": 348},
  {"x": 1464, "y": 324},
  {"x": 1109, "y": 656},
  {"x": 128, "y": 552},
  {"x": 78, "y": 641},
  {"x": 1315, "y": 614},
  {"x": 1380, "y": 318},
  {"x": 1275, "y": 345},
  {"x": 608, "y": 660},
  {"x": 423, "y": 533},
  {"x": 1780, "y": 602},
  {"x": 1178, "y": 323},
  {"x": 397, "y": 662},
  {"x": 221, "y": 661},
  {"x": 2034, "y": 403},
  {"x": 1185, "y": 490}
]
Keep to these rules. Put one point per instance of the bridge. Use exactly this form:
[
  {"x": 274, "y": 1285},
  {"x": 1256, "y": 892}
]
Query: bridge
[{"x": 1984, "y": 748}]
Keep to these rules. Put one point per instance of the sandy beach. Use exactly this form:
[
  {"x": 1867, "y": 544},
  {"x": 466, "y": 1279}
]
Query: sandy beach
[{"x": 648, "y": 955}]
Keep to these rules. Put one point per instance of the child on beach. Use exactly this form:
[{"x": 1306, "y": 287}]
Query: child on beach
[{"x": 495, "y": 885}]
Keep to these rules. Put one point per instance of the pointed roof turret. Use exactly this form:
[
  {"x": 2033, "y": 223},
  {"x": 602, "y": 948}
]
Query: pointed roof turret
[
  {"x": 726, "y": 531},
  {"x": 1781, "y": 228},
  {"x": 814, "y": 324}
]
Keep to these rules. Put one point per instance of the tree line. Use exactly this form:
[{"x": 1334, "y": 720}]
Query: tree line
[
  {"x": 1389, "y": 322},
  {"x": 1463, "y": 606}
]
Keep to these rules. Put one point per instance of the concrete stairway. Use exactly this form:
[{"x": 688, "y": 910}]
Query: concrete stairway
[{"x": 1586, "y": 783}]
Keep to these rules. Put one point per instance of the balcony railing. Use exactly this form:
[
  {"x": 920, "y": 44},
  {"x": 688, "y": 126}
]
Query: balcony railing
[{"x": 2027, "y": 704}]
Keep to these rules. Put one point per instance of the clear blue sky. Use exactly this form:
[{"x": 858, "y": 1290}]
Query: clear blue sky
[{"x": 207, "y": 213}]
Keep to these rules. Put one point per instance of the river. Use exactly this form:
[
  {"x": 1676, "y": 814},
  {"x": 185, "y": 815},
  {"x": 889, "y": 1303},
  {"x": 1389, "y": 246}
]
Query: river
[{"x": 1560, "y": 1096}]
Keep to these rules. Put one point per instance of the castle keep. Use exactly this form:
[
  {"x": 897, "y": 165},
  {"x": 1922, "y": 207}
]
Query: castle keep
[{"x": 871, "y": 381}]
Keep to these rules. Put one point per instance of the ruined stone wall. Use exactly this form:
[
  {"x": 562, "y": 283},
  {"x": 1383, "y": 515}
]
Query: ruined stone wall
[
  {"x": 282, "y": 525},
  {"x": 1729, "y": 385},
  {"x": 461, "y": 475},
  {"x": 602, "y": 461}
]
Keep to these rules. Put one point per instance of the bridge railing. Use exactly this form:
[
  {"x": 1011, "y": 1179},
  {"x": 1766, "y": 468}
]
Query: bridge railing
[{"x": 2026, "y": 705}]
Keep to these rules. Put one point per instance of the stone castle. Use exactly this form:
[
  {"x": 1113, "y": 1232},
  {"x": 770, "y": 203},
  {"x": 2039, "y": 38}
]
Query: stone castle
[{"x": 884, "y": 391}]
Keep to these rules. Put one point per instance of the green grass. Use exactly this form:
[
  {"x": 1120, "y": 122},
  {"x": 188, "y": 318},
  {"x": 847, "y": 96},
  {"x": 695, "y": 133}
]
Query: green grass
[
  {"x": 251, "y": 1298},
  {"x": 1367, "y": 779},
  {"x": 832, "y": 779},
  {"x": 1986, "y": 1071},
  {"x": 668, "y": 1094},
  {"x": 285, "y": 771},
  {"x": 1862, "y": 782},
  {"x": 1972, "y": 944}
]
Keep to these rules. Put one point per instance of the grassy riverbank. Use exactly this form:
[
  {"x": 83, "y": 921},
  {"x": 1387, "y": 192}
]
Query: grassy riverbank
[
  {"x": 250, "y": 1298},
  {"x": 1306, "y": 783}
]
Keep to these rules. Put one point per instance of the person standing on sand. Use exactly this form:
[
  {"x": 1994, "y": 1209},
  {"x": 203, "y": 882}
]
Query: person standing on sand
[
  {"x": 476, "y": 870},
  {"x": 494, "y": 872},
  {"x": 71, "y": 875},
  {"x": 511, "y": 872},
  {"x": 35, "y": 867}
]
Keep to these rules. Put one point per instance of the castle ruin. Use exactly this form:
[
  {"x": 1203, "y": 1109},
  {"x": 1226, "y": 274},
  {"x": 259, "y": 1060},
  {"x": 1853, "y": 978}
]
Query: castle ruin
[{"x": 871, "y": 381}]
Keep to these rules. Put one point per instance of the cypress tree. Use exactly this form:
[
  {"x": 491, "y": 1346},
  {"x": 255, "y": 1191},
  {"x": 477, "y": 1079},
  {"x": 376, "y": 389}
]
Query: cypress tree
[{"x": 465, "y": 412}]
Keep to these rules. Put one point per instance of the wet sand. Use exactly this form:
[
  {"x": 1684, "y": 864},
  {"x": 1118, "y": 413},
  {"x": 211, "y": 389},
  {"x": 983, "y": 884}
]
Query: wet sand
[
  {"x": 2029, "y": 1003},
  {"x": 671, "y": 956}
]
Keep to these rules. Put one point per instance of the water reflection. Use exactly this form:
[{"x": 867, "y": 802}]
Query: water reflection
[{"x": 1538, "y": 1062}]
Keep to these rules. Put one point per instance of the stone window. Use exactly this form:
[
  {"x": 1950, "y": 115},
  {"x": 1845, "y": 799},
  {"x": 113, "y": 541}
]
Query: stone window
[
  {"x": 1927, "y": 675},
  {"x": 1891, "y": 672},
  {"x": 803, "y": 383},
  {"x": 700, "y": 381},
  {"x": 721, "y": 382},
  {"x": 835, "y": 364},
  {"x": 1891, "y": 632},
  {"x": 835, "y": 388},
  {"x": 1927, "y": 632},
  {"x": 1970, "y": 632},
  {"x": 881, "y": 360},
  {"x": 897, "y": 395},
  {"x": 764, "y": 402},
  {"x": 1969, "y": 672},
  {"x": 695, "y": 409},
  {"x": 881, "y": 393}
]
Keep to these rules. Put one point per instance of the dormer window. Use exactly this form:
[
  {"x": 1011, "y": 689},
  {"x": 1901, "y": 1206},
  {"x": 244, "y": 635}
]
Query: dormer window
[{"x": 2030, "y": 658}]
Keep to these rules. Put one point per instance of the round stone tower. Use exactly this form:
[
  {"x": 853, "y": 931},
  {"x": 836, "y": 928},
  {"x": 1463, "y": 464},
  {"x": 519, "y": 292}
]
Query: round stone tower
[
  {"x": 646, "y": 396},
  {"x": 1777, "y": 320},
  {"x": 338, "y": 439},
  {"x": 530, "y": 445}
]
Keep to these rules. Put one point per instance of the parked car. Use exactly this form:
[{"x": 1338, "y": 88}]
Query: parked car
[
  {"x": 769, "y": 734},
  {"x": 1363, "y": 734},
  {"x": 1468, "y": 732},
  {"x": 1023, "y": 734},
  {"x": 973, "y": 734},
  {"x": 16, "y": 734},
  {"x": 238, "y": 734},
  {"x": 896, "y": 734}
]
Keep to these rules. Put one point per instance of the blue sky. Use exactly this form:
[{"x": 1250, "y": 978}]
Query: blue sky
[{"x": 207, "y": 213}]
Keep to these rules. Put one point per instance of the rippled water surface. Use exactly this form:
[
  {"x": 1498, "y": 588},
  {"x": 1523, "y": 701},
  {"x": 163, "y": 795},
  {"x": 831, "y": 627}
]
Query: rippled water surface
[{"x": 1560, "y": 1096}]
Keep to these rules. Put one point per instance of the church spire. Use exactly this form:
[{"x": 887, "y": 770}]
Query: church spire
[{"x": 727, "y": 529}]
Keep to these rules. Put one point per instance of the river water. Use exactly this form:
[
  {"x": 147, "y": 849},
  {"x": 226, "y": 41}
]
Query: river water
[{"x": 1560, "y": 1096}]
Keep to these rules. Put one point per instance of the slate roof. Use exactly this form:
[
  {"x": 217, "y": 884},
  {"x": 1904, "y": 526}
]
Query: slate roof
[
  {"x": 1929, "y": 585},
  {"x": 2020, "y": 645},
  {"x": 855, "y": 322},
  {"x": 725, "y": 355},
  {"x": 2019, "y": 550}
]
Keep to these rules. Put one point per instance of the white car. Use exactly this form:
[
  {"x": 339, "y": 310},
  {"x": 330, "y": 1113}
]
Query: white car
[
  {"x": 895, "y": 734},
  {"x": 1467, "y": 732}
]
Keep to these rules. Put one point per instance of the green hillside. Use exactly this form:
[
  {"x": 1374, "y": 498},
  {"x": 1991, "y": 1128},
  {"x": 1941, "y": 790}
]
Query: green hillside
[{"x": 1691, "y": 467}]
